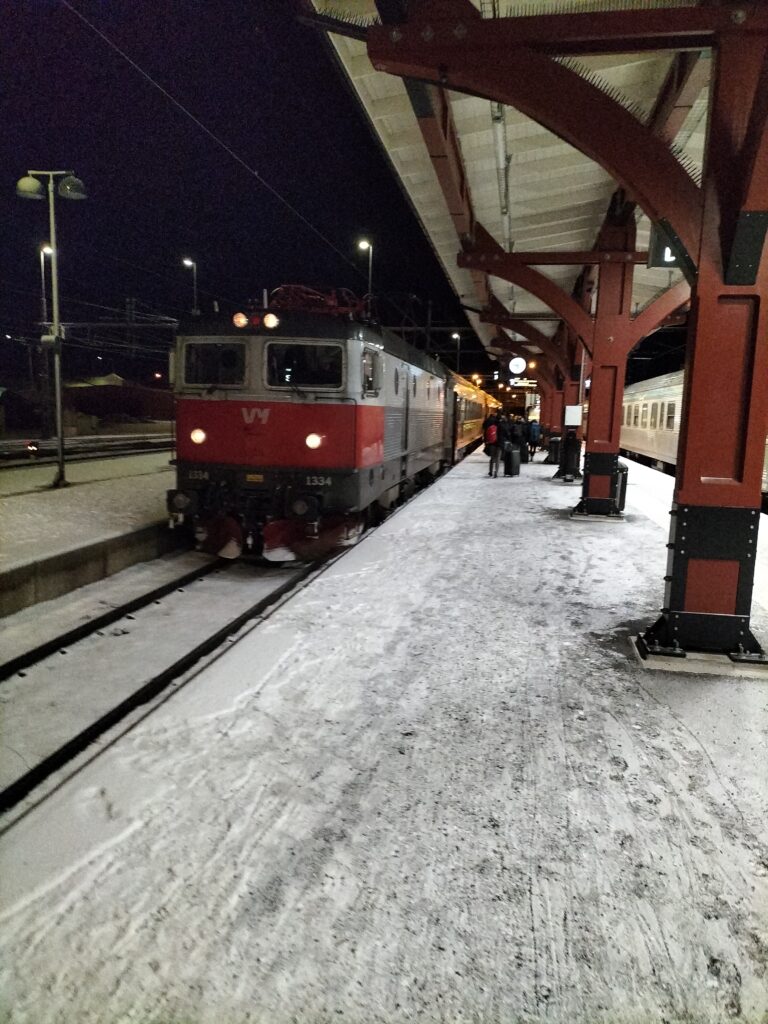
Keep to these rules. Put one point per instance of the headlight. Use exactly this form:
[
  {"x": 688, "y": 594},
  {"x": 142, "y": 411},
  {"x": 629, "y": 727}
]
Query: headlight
[
  {"x": 306, "y": 507},
  {"x": 271, "y": 321},
  {"x": 197, "y": 436},
  {"x": 313, "y": 440},
  {"x": 180, "y": 501},
  {"x": 240, "y": 320}
]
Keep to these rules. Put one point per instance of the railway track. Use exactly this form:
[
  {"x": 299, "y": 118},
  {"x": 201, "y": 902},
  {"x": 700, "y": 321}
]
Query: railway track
[
  {"x": 61, "y": 696},
  {"x": 15, "y": 453}
]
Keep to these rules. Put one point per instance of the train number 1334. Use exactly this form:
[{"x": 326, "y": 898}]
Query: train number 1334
[{"x": 318, "y": 481}]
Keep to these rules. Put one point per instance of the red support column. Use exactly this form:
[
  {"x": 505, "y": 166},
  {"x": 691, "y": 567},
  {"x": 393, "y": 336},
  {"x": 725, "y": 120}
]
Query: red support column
[
  {"x": 610, "y": 348},
  {"x": 716, "y": 511}
]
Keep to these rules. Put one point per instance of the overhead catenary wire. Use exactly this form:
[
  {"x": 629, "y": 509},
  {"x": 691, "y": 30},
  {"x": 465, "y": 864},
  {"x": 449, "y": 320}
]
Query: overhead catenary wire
[
  {"x": 222, "y": 144},
  {"x": 211, "y": 135}
]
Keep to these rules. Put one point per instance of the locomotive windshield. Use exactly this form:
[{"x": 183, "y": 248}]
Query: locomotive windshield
[
  {"x": 214, "y": 363},
  {"x": 296, "y": 365}
]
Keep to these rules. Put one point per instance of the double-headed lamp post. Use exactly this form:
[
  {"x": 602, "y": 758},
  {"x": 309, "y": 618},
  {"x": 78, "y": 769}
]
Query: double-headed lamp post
[
  {"x": 191, "y": 263},
  {"x": 70, "y": 187},
  {"x": 364, "y": 244}
]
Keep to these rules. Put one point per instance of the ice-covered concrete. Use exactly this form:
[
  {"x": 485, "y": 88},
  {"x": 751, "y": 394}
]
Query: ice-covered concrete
[{"x": 432, "y": 787}]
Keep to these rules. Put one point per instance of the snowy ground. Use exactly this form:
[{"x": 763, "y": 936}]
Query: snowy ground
[
  {"x": 106, "y": 498},
  {"x": 433, "y": 786}
]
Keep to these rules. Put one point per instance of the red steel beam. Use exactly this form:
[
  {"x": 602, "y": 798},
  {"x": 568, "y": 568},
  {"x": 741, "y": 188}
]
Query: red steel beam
[
  {"x": 659, "y": 311},
  {"x": 562, "y": 259},
  {"x": 687, "y": 76},
  {"x": 458, "y": 26}
]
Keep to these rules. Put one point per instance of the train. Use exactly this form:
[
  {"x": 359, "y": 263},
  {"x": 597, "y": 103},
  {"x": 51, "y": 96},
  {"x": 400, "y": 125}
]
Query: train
[
  {"x": 650, "y": 424},
  {"x": 301, "y": 422}
]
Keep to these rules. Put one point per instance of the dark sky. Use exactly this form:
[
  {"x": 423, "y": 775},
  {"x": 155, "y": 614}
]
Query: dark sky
[{"x": 160, "y": 188}]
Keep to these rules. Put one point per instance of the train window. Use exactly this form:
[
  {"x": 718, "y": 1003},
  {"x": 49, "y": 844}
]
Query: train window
[
  {"x": 414, "y": 387},
  {"x": 294, "y": 364},
  {"x": 654, "y": 415},
  {"x": 371, "y": 372},
  {"x": 635, "y": 415},
  {"x": 624, "y": 415},
  {"x": 661, "y": 416},
  {"x": 214, "y": 364},
  {"x": 671, "y": 416},
  {"x": 644, "y": 415},
  {"x": 397, "y": 381}
]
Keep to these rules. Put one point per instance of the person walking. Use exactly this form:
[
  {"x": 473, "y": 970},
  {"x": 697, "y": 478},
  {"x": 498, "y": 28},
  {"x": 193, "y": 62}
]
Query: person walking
[
  {"x": 491, "y": 438},
  {"x": 519, "y": 438},
  {"x": 534, "y": 434},
  {"x": 505, "y": 443}
]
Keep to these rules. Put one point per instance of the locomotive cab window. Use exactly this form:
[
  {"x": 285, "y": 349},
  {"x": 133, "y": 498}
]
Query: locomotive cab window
[
  {"x": 214, "y": 364},
  {"x": 654, "y": 415},
  {"x": 371, "y": 372},
  {"x": 671, "y": 416},
  {"x": 295, "y": 364}
]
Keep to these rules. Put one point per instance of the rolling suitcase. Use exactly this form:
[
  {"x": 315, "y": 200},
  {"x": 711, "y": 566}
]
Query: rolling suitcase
[{"x": 511, "y": 459}]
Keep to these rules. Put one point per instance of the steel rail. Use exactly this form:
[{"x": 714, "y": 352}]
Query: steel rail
[{"x": 13, "y": 794}]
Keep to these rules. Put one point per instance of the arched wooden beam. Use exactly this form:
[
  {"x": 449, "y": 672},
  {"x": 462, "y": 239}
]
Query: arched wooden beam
[
  {"x": 657, "y": 311},
  {"x": 537, "y": 284},
  {"x": 536, "y": 85}
]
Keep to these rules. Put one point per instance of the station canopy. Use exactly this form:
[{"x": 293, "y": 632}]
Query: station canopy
[{"x": 528, "y": 188}]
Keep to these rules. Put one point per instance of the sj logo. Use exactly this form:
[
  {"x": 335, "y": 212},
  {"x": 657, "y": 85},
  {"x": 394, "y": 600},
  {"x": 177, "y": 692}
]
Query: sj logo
[{"x": 254, "y": 413}]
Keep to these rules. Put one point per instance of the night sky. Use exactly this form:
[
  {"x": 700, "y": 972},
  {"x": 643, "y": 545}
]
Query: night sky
[{"x": 160, "y": 188}]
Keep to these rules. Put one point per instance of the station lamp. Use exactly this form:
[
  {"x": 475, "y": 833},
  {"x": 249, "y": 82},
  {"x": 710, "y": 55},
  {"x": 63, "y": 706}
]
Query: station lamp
[
  {"x": 69, "y": 187},
  {"x": 367, "y": 246}
]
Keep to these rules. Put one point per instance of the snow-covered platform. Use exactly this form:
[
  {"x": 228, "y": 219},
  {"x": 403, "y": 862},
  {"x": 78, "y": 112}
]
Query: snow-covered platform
[
  {"x": 51, "y": 541},
  {"x": 433, "y": 786}
]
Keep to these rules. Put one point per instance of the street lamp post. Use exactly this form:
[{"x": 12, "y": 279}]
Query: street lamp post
[
  {"x": 365, "y": 244},
  {"x": 45, "y": 250},
  {"x": 70, "y": 187},
  {"x": 191, "y": 263},
  {"x": 42, "y": 357},
  {"x": 457, "y": 338}
]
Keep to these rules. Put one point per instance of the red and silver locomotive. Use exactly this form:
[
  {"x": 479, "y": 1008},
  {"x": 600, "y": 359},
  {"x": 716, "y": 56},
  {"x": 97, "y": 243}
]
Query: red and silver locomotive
[{"x": 298, "y": 423}]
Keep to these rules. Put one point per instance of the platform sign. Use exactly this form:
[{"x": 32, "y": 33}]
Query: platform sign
[
  {"x": 661, "y": 253},
  {"x": 573, "y": 415}
]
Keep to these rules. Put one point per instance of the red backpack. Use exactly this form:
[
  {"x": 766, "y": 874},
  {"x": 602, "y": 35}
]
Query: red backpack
[{"x": 490, "y": 433}]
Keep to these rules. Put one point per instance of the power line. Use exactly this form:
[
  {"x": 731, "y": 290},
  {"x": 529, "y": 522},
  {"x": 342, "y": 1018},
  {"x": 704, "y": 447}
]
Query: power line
[
  {"x": 223, "y": 145},
  {"x": 211, "y": 135}
]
